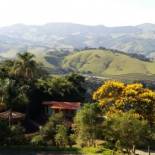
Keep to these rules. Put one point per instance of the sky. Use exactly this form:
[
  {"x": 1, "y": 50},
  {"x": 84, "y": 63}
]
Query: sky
[{"x": 88, "y": 12}]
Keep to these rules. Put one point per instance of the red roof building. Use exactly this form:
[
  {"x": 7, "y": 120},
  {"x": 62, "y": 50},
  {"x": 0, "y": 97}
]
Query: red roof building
[
  {"x": 68, "y": 108},
  {"x": 62, "y": 105}
]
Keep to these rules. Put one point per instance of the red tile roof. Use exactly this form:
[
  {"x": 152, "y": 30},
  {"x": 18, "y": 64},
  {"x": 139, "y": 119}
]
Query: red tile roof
[{"x": 63, "y": 105}]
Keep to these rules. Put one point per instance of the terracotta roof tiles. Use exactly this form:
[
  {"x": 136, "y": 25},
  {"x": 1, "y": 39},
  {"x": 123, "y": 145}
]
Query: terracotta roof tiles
[{"x": 63, "y": 105}]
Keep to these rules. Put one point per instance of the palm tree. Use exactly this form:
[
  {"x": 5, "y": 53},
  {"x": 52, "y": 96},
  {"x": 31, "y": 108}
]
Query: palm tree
[
  {"x": 3, "y": 91},
  {"x": 25, "y": 66}
]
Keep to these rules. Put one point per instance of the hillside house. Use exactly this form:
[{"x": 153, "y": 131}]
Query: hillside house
[{"x": 68, "y": 108}]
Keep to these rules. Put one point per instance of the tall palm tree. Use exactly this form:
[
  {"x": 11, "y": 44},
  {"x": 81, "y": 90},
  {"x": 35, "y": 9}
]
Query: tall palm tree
[{"x": 25, "y": 65}]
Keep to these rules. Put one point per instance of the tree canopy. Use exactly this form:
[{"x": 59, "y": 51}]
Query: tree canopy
[{"x": 118, "y": 96}]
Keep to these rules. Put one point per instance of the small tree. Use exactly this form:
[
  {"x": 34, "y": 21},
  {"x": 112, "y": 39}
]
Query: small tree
[
  {"x": 125, "y": 130},
  {"x": 87, "y": 124},
  {"x": 61, "y": 137},
  {"x": 48, "y": 131},
  {"x": 37, "y": 140}
]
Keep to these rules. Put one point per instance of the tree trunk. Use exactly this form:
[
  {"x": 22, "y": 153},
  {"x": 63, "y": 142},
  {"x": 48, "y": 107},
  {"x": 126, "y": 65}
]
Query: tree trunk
[
  {"x": 149, "y": 150},
  {"x": 10, "y": 117},
  {"x": 134, "y": 150}
]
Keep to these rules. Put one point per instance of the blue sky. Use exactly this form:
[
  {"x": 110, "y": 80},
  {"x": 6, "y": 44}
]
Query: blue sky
[{"x": 89, "y": 12}]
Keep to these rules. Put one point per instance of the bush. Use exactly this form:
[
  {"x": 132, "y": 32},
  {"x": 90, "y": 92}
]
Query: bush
[
  {"x": 17, "y": 135},
  {"x": 87, "y": 125},
  {"x": 61, "y": 137},
  {"x": 125, "y": 130},
  {"x": 38, "y": 140},
  {"x": 72, "y": 140},
  {"x": 48, "y": 131},
  {"x": 97, "y": 150}
]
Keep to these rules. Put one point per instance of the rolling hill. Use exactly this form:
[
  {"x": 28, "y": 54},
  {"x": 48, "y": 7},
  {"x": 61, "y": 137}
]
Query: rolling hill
[
  {"x": 97, "y": 62},
  {"x": 104, "y": 62}
]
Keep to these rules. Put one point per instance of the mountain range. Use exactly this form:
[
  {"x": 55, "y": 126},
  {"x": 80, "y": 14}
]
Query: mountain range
[
  {"x": 91, "y": 50},
  {"x": 131, "y": 39}
]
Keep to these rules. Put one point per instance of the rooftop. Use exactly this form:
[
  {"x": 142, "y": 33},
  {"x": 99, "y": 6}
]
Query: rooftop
[
  {"x": 63, "y": 105},
  {"x": 14, "y": 115}
]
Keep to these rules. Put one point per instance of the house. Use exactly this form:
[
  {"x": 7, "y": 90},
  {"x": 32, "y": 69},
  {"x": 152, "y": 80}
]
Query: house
[{"x": 68, "y": 108}]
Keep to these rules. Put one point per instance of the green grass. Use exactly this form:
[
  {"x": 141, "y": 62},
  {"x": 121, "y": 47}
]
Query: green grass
[
  {"x": 96, "y": 150},
  {"x": 103, "y": 62}
]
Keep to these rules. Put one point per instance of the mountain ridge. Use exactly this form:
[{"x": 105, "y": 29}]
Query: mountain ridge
[{"x": 131, "y": 39}]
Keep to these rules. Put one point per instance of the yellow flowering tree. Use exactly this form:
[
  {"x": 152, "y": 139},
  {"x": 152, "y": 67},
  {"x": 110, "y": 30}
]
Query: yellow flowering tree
[{"x": 116, "y": 96}]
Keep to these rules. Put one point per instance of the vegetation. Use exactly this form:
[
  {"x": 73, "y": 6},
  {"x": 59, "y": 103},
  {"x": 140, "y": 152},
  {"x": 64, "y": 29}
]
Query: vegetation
[
  {"x": 117, "y": 96},
  {"x": 125, "y": 131},
  {"x": 119, "y": 118},
  {"x": 87, "y": 125},
  {"x": 105, "y": 62},
  {"x": 98, "y": 62}
]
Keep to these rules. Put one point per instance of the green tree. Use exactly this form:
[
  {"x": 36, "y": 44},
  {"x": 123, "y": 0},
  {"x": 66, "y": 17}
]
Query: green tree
[
  {"x": 5, "y": 68},
  {"x": 125, "y": 130},
  {"x": 78, "y": 83},
  {"x": 48, "y": 131},
  {"x": 3, "y": 90},
  {"x": 88, "y": 124},
  {"x": 61, "y": 137},
  {"x": 68, "y": 88},
  {"x": 117, "y": 96},
  {"x": 25, "y": 66}
]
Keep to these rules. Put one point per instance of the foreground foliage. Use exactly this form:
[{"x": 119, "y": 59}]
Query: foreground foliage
[
  {"x": 122, "y": 119},
  {"x": 88, "y": 125},
  {"x": 126, "y": 130}
]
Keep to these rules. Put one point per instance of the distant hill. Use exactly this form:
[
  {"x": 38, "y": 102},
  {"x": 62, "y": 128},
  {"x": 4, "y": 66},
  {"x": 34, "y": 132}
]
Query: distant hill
[
  {"x": 104, "y": 62},
  {"x": 132, "y": 39},
  {"x": 97, "y": 62}
]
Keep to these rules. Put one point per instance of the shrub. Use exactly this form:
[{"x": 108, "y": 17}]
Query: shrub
[
  {"x": 87, "y": 125},
  {"x": 17, "y": 135},
  {"x": 37, "y": 140},
  {"x": 125, "y": 130},
  {"x": 61, "y": 137}
]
